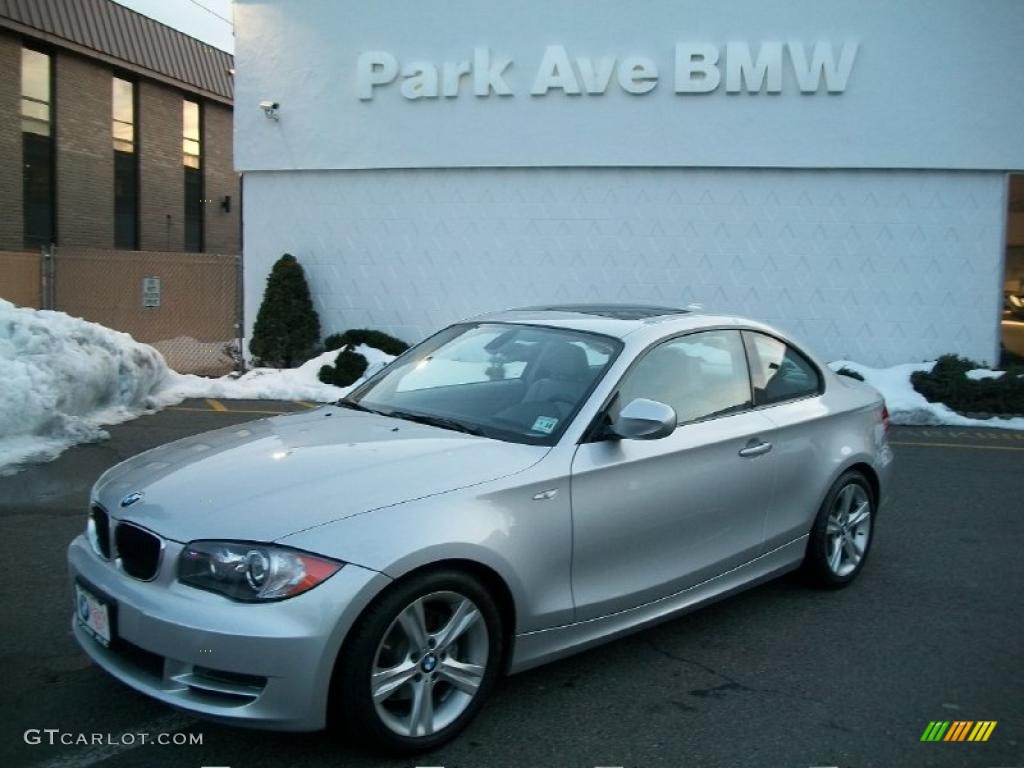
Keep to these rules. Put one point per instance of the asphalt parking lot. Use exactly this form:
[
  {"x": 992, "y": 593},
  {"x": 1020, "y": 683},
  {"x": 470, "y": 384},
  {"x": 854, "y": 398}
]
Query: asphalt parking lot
[{"x": 778, "y": 676}]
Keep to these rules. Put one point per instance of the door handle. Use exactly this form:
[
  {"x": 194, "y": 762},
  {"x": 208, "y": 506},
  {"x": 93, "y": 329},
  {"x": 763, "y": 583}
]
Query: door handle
[{"x": 755, "y": 448}]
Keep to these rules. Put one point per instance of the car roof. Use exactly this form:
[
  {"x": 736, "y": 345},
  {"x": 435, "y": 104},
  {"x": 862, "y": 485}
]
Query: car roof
[{"x": 617, "y": 320}]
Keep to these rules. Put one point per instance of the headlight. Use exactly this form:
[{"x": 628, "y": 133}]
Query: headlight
[{"x": 252, "y": 572}]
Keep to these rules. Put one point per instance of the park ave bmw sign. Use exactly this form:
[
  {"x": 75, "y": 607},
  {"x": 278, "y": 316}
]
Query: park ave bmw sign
[{"x": 699, "y": 68}]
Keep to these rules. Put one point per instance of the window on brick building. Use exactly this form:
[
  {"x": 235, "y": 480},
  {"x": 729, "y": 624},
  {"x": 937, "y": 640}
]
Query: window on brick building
[
  {"x": 192, "y": 158},
  {"x": 126, "y": 167},
  {"x": 37, "y": 148}
]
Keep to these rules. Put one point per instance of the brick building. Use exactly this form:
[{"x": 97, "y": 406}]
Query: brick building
[{"x": 116, "y": 132}]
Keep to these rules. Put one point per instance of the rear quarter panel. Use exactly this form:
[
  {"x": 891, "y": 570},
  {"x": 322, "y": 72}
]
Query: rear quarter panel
[{"x": 818, "y": 439}]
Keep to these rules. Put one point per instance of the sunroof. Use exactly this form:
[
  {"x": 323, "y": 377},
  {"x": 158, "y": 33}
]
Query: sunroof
[{"x": 614, "y": 311}]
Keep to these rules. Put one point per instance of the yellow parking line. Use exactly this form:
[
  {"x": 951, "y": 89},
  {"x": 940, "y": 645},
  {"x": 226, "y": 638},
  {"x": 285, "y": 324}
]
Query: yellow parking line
[
  {"x": 961, "y": 445},
  {"x": 223, "y": 410},
  {"x": 215, "y": 405},
  {"x": 985, "y": 434},
  {"x": 304, "y": 404}
]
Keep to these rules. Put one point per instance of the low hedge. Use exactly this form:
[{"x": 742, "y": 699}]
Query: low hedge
[
  {"x": 1008, "y": 359},
  {"x": 844, "y": 371},
  {"x": 376, "y": 339},
  {"x": 348, "y": 367},
  {"x": 947, "y": 383}
]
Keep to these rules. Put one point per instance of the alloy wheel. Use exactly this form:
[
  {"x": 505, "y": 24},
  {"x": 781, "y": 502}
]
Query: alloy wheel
[
  {"x": 429, "y": 664},
  {"x": 848, "y": 530}
]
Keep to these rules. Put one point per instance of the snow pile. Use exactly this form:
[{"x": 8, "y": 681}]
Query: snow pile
[
  {"x": 984, "y": 373},
  {"x": 908, "y": 406},
  {"x": 63, "y": 378}
]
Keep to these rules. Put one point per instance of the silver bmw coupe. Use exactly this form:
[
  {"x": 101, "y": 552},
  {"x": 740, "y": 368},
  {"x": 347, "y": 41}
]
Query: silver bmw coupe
[{"x": 516, "y": 488}]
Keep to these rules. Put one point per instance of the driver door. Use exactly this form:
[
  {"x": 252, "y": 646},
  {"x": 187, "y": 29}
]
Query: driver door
[{"x": 654, "y": 517}]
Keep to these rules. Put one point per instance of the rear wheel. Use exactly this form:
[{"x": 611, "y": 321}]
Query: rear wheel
[
  {"x": 841, "y": 536},
  {"x": 421, "y": 661}
]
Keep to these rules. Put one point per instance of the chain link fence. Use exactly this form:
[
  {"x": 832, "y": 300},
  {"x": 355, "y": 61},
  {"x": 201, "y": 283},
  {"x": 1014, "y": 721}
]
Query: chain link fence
[{"x": 187, "y": 305}]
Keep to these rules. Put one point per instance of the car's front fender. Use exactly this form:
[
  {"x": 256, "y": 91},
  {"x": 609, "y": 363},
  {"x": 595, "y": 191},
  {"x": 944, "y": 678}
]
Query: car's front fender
[{"x": 527, "y": 542}]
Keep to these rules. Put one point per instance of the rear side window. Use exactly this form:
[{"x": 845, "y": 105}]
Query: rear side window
[{"x": 778, "y": 372}]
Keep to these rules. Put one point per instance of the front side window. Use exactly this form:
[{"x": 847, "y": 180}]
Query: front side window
[
  {"x": 778, "y": 371},
  {"x": 125, "y": 166},
  {"x": 517, "y": 383},
  {"x": 192, "y": 159},
  {"x": 701, "y": 375},
  {"x": 37, "y": 148}
]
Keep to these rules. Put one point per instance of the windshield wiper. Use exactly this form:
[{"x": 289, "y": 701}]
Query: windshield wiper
[
  {"x": 436, "y": 421},
  {"x": 346, "y": 403},
  {"x": 420, "y": 418}
]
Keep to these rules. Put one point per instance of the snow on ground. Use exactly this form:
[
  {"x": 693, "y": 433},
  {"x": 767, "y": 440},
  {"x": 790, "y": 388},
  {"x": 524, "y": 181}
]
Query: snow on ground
[
  {"x": 984, "y": 373},
  {"x": 64, "y": 378},
  {"x": 908, "y": 406},
  {"x": 269, "y": 383}
]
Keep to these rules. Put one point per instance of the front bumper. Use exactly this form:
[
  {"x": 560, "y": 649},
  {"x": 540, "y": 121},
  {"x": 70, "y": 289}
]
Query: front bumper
[{"x": 265, "y": 665}]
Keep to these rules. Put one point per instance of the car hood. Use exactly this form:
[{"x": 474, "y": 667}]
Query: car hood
[{"x": 267, "y": 479}]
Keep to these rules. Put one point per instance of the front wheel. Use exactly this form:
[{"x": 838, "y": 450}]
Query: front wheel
[
  {"x": 421, "y": 661},
  {"x": 842, "y": 532}
]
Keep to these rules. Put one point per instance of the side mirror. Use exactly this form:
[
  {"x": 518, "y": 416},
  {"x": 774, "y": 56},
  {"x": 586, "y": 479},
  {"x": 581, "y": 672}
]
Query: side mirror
[{"x": 643, "y": 419}]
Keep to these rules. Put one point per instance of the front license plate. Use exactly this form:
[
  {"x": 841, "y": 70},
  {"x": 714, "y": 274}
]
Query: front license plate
[{"x": 93, "y": 614}]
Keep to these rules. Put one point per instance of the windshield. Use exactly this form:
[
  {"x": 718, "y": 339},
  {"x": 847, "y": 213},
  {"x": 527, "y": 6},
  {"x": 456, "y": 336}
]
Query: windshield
[{"x": 518, "y": 383}]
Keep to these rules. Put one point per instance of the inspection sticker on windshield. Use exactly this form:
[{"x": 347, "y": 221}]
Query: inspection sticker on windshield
[{"x": 545, "y": 424}]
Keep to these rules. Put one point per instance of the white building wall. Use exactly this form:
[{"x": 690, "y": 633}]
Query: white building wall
[
  {"x": 880, "y": 266},
  {"x": 932, "y": 84}
]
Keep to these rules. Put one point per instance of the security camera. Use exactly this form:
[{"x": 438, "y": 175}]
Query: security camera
[{"x": 270, "y": 109}]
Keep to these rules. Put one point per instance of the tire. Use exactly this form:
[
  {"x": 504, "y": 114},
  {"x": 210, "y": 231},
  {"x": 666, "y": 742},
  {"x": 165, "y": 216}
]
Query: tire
[
  {"x": 842, "y": 533},
  {"x": 431, "y": 689}
]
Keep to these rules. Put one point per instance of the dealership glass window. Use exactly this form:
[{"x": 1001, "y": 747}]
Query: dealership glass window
[
  {"x": 701, "y": 375},
  {"x": 778, "y": 372},
  {"x": 37, "y": 148},
  {"x": 126, "y": 198},
  {"x": 192, "y": 158}
]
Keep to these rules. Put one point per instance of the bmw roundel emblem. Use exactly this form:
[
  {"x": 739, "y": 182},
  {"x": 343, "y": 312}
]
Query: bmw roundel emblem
[{"x": 131, "y": 498}]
